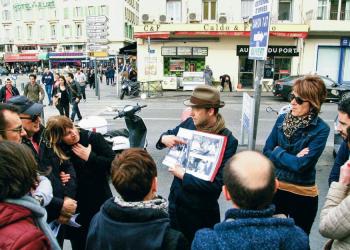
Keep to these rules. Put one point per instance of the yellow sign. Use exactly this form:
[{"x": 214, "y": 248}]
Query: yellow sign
[{"x": 98, "y": 54}]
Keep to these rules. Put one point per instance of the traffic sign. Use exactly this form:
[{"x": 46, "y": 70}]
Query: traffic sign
[
  {"x": 98, "y": 54},
  {"x": 97, "y": 35},
  {"x": 97, "y": 47},
  {"x": 259, "y": 33},
  {"x": 98, "y": 40},
  {"x": 96, "y": 19},
  {"x": 94, "y": 29}
]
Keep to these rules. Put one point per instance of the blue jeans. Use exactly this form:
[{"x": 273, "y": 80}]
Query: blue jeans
[
  {"x": 48, "y": 89},
  {"x": 75, "y": 111}
]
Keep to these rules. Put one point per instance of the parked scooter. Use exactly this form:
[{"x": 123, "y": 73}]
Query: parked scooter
[
  {"x": 133, "y": 136},
  {"x": 283, "y": 110},
  {"x": 130, "y": 88}
]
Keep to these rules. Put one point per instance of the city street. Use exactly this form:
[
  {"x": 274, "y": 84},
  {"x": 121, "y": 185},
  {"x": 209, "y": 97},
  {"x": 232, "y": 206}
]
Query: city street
[{"x": 163, "y": 112}]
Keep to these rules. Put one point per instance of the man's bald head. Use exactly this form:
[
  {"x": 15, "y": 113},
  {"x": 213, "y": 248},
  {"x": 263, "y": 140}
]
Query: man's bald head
[{"x": 250, "y": 180}]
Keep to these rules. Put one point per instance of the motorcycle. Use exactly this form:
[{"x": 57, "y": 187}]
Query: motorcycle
[
  {"x": 283, "y": 110},
  {"x": 130, "y": 88},
  {"x": 132, "y": 137}
]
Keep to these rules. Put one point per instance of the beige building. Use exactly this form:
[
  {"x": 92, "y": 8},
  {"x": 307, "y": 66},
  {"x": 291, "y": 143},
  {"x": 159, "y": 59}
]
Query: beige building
[{"x": 185, "y": 36}]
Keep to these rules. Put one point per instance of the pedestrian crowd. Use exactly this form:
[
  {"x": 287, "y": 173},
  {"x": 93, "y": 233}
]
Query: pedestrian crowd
[{"x": 54, "y": 179}]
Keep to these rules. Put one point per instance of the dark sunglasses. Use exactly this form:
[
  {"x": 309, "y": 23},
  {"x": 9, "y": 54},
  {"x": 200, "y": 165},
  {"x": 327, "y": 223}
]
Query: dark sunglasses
[
  {"x": 298, "y": 99},
  {"x": 33, "y": 118}
]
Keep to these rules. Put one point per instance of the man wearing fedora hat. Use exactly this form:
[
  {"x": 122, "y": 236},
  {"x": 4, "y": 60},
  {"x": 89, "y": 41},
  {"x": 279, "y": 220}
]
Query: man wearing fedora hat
[{"x": 193, "y": 202}]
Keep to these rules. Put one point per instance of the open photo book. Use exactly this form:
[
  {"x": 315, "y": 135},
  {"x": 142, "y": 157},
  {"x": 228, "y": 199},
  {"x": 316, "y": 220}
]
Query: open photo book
[{"x": 201, "y": 156}]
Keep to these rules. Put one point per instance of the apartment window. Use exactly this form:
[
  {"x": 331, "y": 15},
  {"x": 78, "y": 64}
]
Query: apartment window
[
  {"x": 247, "y": 8},
  {"x": 91, "y": 11},
  {"x": 67, "y": 31},
  {"x": 6, "y": 15},
  {"x": 103, "y": 10},
  {"x": 79, "y": 29},
  {"x": 29, "y": 32},
  {"x": 285, "y": 10},
  {"x": 66, "y": 13},
  {"x": 18, "y": 32},
  {"x": 53, "y": 31},
  {"x": 42, "y": 34},
  {"x": 173, "y": 10},
  {"x": 78, "y": 11},
  {"x": 322, "y": 10},
  {"x": 126, "y": 30},
  {"x": 209, "y": 10},
  {"x": 5, "y": 2}
]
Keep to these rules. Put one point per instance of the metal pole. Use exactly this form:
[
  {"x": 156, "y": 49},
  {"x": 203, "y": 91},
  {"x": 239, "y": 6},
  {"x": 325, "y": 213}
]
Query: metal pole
[
  {"x": 117, "y": 80},
  {"x": 259, "y": 72},
  {"x": 97, "y": 85}
]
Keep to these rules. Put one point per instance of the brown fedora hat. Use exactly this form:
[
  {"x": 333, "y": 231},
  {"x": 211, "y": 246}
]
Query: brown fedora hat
[{"x": 205, "y": 97}]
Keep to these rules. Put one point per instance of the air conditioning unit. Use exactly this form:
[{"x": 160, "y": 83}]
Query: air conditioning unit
[
  {"x": 192, "y": 17},
  {"x": 162, "y": 18},
  {"x": 222, "y": 18},
  {"x": 145, "y": 18}
]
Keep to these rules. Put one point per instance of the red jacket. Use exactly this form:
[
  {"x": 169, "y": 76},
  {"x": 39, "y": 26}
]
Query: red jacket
[{"x": 18, "y": 231}]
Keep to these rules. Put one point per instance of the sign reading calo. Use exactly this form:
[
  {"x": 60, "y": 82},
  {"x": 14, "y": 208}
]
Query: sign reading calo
[{"x": 32, "y": 5}]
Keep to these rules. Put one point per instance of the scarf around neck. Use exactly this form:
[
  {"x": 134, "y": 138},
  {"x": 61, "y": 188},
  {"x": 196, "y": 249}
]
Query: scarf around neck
[
  {"x": 292, "y": 123},
  {"x": 156, "y": 203},
  {"x": 39, "y": 217},
  {"x": 218, "y": 126}
]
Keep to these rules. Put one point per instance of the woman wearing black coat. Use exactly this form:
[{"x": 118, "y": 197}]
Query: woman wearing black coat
[
  {"x": 91, "y": 157},
  {"x": 63, "y": 95}
]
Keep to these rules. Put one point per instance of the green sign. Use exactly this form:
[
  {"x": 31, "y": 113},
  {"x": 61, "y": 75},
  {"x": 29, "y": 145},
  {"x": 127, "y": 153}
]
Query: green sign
[{"x": 33, "y": 5}]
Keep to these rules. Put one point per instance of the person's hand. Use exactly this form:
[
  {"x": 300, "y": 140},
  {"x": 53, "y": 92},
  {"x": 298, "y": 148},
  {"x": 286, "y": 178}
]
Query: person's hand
[
  {"x": 77, "y": 100},
  {"x": 69, "y": 207},
  {"x": 64, "y": 178},
  {"x": 303, "y": 152},
  {"x": 177, "y": 171},
  {"x": 81, "y": 151},
  {"x": 63, "y": 219},
  {"x": 344, "y": 177},
  {"x": 171, "y": 140}
]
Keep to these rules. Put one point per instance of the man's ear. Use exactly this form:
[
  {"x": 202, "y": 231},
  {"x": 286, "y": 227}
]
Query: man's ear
[
  {"x": 226, "y": 193},
  {"x": 154, "y": 186},
  {"x": 276, "y": 184}
]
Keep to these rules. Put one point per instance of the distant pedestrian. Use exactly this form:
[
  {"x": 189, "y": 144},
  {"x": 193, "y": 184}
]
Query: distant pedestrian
[
  {"x": 62, "y": 96},
  {"x": 33, "y": 91},
  {"x": 48, "y": 80},
  {"x": 80, "y": 78},
  {"x": 208, "y": 76},
  {"x": 75, "y": 96},
  {"x": 8, "y": 91},
  {"x": 226, "y": 79}
]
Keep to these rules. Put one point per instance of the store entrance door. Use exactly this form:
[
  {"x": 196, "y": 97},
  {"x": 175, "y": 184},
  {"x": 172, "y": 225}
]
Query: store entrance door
[{"x": 246, "y": 73}]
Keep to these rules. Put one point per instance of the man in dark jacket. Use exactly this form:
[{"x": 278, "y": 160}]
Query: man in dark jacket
[
  {"x": 343, "y": 128},
  {"x": 8, "y": 91},
  {"x": 48, "y": 80},
  {"x": 76, "y": 96},
  {"x": 250, "y": 183},
  {"x": 137, "y": 217},
  {"x": 193, "y": 202}
]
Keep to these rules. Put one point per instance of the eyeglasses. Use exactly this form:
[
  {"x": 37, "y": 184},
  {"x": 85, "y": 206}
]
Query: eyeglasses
[
  {"x": 17, "y": 130},
  {"x": 298, "y": 99},
  {"x": 33, "y": 118}
]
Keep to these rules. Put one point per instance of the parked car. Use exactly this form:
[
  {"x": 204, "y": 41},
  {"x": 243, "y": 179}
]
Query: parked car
[
  {"x": 335, "y": 91},
  {"x": 4, "y": 71}
]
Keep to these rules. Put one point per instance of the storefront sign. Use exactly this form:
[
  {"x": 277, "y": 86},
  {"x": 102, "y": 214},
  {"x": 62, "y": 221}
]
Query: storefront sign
[
  {"x": 345, "y": 41},
  {"x": 33, "y": 5},
  {"x": 168, "y": 51},
  {"x": 184, "y": 51},
  {"x": 243, "y": 50},
  {"x": 63, "y": 55},
  {"x": 177, "y": 65},
  {"x": 24, "y": 57},
  {"x": 200, "y": 51}
]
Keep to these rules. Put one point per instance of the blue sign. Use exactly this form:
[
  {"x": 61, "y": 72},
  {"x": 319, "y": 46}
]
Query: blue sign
[
  {"x": 345, "y": 41},
  {"x": 259, "y": 36}
]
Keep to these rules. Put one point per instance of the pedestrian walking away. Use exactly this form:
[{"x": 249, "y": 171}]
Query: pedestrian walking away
[
  {"x": 75, "y": 96},
  {"x": 48, "y": 80},
  {"x": 80, "y": 78}
]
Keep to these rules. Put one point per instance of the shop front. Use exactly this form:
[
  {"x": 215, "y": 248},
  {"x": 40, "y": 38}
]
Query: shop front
[
  {"x": 22, "y": 62},
  {"x": 334, "y": 61},
  {"x": 169, "y": 51},
  {"x": 278, "y": 64},
  {"x": 64, "y": 59}
]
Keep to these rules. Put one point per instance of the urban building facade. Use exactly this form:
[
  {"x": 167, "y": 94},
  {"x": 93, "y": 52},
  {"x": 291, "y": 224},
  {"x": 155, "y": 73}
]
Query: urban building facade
[
  {"x": 39, "y": 30},
  {"x": 182, "y": 36}
]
